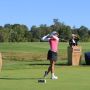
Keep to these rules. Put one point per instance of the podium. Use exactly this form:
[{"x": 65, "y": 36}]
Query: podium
[
  {"x": 0, "y": 62},
  {"x": 74, "y": 55}
]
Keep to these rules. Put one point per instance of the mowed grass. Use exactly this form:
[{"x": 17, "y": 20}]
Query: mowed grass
[
  {"x": 36, "y": 50},
  {"x": 37, "y": 46},
  {"x": 23, "y": 74},
  {"x": 70, "y": 78}
]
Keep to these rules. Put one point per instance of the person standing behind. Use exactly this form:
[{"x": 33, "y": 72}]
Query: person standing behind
[
  {"x": 52, "y": 53},
  {"x": 74, "y": 40}
]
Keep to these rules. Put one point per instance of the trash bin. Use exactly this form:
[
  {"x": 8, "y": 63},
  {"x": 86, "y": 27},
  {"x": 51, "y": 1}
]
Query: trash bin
[
  {"x": 87, "y": 58},
  {"x": 74, "y": 55}
]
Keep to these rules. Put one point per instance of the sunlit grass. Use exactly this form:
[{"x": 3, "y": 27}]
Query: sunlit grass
[{"x": 25, "y": 63}]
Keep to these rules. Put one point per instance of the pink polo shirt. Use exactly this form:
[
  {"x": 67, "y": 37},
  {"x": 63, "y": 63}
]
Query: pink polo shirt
[{"x": 54, "y": 43}]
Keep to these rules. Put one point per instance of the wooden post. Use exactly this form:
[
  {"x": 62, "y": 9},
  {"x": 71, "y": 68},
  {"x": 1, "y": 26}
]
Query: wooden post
[
  {"x": 0, "y": 62},
  {"x": 74, "y": 55}
]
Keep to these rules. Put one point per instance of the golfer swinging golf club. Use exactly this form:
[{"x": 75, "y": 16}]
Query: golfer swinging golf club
[{"x": 52, "y": 53}]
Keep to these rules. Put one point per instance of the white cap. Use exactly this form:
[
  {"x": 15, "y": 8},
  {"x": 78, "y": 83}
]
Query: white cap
[{"x": 54, "y": 32}]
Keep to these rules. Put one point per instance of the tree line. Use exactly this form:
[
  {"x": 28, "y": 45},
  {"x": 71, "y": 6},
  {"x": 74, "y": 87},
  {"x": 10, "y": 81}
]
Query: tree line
[{"x": 21, "y": 33}]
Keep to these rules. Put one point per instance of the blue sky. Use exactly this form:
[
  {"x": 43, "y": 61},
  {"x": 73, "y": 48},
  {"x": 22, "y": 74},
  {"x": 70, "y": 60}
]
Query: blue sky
[{"x": 36, "y": 12}]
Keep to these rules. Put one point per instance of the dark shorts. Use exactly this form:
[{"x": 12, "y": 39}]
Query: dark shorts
[{"x": 52, "y": 55}]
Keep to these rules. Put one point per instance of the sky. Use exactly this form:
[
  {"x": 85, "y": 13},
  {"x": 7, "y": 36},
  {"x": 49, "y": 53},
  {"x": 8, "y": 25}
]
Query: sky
[{"x": 36, "y": 12}]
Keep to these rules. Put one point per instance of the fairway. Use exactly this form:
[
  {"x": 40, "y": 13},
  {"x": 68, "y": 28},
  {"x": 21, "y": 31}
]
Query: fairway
[
  {"x": 70, "y": 78},
  {"x": 25, "y": 63},
  {"x": 44, "y": 45}
]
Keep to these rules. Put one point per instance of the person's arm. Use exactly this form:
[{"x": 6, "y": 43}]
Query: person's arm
[
  {"x": 70, "y": 42},
  {"x": 45, "y": 38},
  {"x": 54, "y": 37}
]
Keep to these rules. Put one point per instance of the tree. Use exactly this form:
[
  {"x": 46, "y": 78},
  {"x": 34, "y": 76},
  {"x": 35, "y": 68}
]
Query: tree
[
  {"x": 35, "y": 33},
  {"x": 1, "y": 34},
  {"x": 13, "y": 36},
  {"x": 83, "y": 33},
  {"x": 20, "y": 32}
]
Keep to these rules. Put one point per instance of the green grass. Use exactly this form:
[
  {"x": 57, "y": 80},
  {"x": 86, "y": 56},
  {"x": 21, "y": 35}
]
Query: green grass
[
  {"x": 35, "y": 46},
  {"x": 35, "y": 50},
  {"x": 70, "y": 78},
  {"x": 23, "y": 47},
  {"x": 25, "y": 63}
]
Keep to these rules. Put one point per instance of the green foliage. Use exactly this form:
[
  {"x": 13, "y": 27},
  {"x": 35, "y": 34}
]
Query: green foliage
[{"x": 21, "y": 33}]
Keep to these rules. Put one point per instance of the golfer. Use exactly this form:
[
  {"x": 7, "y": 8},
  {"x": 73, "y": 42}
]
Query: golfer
[{"x": 52, "y": 53}]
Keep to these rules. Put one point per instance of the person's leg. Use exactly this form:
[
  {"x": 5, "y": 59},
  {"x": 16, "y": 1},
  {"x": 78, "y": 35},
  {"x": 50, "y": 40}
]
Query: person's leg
[
  {"x": 53, "y": 70},
  {"x": 49, "y": 69},
  {"x": 53, "y": 66}
]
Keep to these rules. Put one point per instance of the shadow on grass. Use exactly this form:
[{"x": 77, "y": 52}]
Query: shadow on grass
[
  {"x": 49, "y": 64},
  {"x": 57, "y": 64},
  {"x": 7, "y": 78}
]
